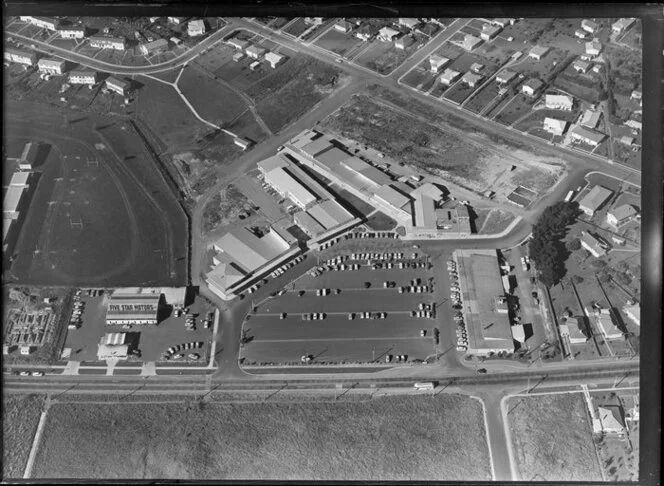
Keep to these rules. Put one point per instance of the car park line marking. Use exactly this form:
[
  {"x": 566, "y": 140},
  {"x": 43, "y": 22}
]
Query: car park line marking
[
  {"x": 332, "y": 314},
  {"x": 334, "y": 339}
]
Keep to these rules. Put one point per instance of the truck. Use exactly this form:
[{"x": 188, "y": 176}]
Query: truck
[
  {"x": 569, "y": 196},
  {"x": 427, "y": 385}
]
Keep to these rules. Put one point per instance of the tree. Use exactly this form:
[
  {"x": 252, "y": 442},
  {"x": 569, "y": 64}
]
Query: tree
[{"x": 574, "y": 244}]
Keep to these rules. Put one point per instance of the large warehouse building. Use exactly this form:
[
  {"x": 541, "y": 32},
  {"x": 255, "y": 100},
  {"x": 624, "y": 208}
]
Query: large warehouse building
[{"x": 482, "y": 293}]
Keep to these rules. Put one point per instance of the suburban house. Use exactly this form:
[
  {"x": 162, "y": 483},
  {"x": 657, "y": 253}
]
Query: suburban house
[
  {"x": 409, "y": 23},
  {"x": 622, "y": 25},
  {"x": 343, "y": 26},
  {"x": 404, "y": 42},
  {"x": 611, "y": 419},
  {"x": 386, "y": 34},
  {"x": 472, "y": 79},
  {"x": 532, "y": 86},
  {"x": 116, "y": 85},
  {"x": 489, "y": 32},
  {"x": 606, "y": 322},
  {"x": 616, "y": 217},
  {"x": 590, "y": 118},
  {"x": 176, "y": 20},
  {"x": 538, "y": 52},
  {"x": 589, "y": 26},
  {"x": 449, "y": 76},
  {"x": 314, "y": 21},
  {"x": 274, "y": 59},
  {"x": 593, "y": 48},
  {"x": 559, "y": 102},
  {"x": 575, "y": 333},
  {"x": 195, "y": 28},
  {"x": 555, "y": 126},
  {"x": 42, "y": 22},
  {"x": 592, "y": 244},
  {"x": 469, "y": 42},
  {"x": 154, "y": 47},
  {"x": 238, "y": 43},
  {"x": 636, "y": 95},
  {"x": 437, "y": 62},
  {"x": 106, "y": 42},
  {"x": 502, "y": 22},
  {"x": 505, "y": 76},
  {"x": 364, "y": 33},
  {"x": 581, "y": 34},
  {"x": 625, "y": 140},
  {"x": 243, "y": 143},
  {"x": 592, "y": 201},
  {"x": 255, "y": 52},
  {"x": 581, "y": 66},
  {"x": 83, "y": 76},
  {"x": 72, "y": 32},
  {"x": 634, "y": 124},
  {"x": 590, "y": 137},
  {"x": 476, "y": 67},
  {"x": 51, "y": 66},
  {"x": 20, "y": 56}
]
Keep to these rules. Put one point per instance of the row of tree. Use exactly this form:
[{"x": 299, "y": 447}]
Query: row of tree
[{"x": 546, "y": 246}]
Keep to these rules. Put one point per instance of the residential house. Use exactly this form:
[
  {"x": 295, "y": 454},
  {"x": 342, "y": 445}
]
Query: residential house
[
  {"x": 364, "y": 33},
  {"x": 538, "y": 52},
  {"x": 155, "y": 47},
  {"x": 404, "y": 42},
  {"x": 72, "y": 32},
  {"x": 581, "y": 34},
  {"x": 489, "y": 32},
  {"x": 592, "y": 244},
  {"x": 587, "y": 136},
  {"x": 117, "y": 85},
  {"x": 274, "y": 59},
  {"x": 595, "y": 198},
  {"x": 51, "y": 66},
  {"x": 622, "y": 25},
  {"x": 505, "y": 76},
  {"x": 409, "y": 23},
  {"x": 532, "y": 86},
  {"x": 575, "y": 331},
  {"x": 590, "y": 118},
  {"x": 636, "y": 95},
  {"x": 634, "y": 124},
  {"x": 502, "y": 22},
  {"x": 243, "y": 143},
  {"x": 633, "y": 311},
  {"x": 469, "y": 42},
  {"x": 176, "y": 20},
  {"x": 20, "y": 56},
  {"x": 42, "y": 22},
  {"x": 625, "y": 140},
  {"x": 106, "y": 42},
  {"x": 593, "y": 48},
  {"x": 238, "y": 43},
  {"x": 623, "y": 214},
  {"x": 581, "y": 66},
  {"x": 558, "y": 102},
  {"x": 386, "y": 34},
  {"x": 83, "y": 76},
  {"x": 196, "y": 28},
  {"x": 611, "y": 420},
  {"x": 255, "y": 52},
  {"x": 314, "y": 21},
  {"x": 476, "y": 67},
  {"x": 437, "y": 62},
  {"x": 606, "y": 322},
  {"x": 554, "y": 126},
  {"x": 343, "y": 26},
  {"x": 589, "y": 26},
  {"x": 449, "y": 76},
  {"x": 472, "y": 79}
]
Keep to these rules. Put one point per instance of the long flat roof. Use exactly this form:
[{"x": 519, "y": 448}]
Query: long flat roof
[
  {"x": 12, "y": 198},
  {"x": 332, "y": 155},
  {"x": 595, "y": 198},
  {"x": 330, "y": 214},
  {"x": 249, "y": 251},
  {"x": 308, "y": 223},
  {"x": 317, "y": 146},
  {"x": 479, "y": 276},
  {"x": 19, "y": 179},
  {"x": 271, "y": 163},
  {"x": 282, "y": 179},
  {"x": 425, "y": 211},
  {"x": 369, "y": 172},
  {"x": 392, "y": 196}
]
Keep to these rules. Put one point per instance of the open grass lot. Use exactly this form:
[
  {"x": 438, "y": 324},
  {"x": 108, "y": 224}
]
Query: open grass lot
[
  {"x": 20, "y": 416},
  {"x": 169, "y": 117},
  {"x": 381, "y": 222},
  {"x": 338, "y": 42},
  {"x": 297, "y": 27},
  {"x": 552, "y": 438},
  {"x": 586, "y": 88},
  {"x": 212, "y": 100},
  {"x": 410, "y": 140},
  {"x": 496, "y": 221},
  {"x": 420, "y": 78},
  {"x": 483, "y": 98},
  {"x": 536, "y": 118},
  {"x": 313, "y": 441},
  {"x": 458, "y": 92},
  {"x": 93, "y": 217},
  {"x": 384, "y": 58}
]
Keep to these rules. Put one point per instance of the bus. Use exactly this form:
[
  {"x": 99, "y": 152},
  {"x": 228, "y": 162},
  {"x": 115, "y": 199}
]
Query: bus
[
  {"x": 568, "y": 198},
  {"x": 429, "y": 385}
]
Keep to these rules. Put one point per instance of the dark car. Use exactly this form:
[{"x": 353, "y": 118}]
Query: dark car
[
  {"x": 482, "y": 370},
  {"x": 534, "y": 294}
]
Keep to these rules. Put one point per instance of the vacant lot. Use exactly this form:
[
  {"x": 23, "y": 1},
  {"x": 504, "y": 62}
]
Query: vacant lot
[
  {"x": 224, "y": 208},
  {"x": 352, "y": 441},
  {"x": 169, "y": 117},
  {"x": 20, "y": 416},
  {"x": 496, "y": 221},
  {"x": 552, "y": 438}
]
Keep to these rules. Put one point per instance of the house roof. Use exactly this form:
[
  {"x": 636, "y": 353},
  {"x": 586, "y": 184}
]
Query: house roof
[
  {"x": 255, "y": 50},
  {"x": 590, "y": 23},
  {"x": 595, "y": 198},
  {"x": 555, "y": 123},
  {"x": 623, "y": 212},
  {"x": 82, "y": 72},
  {"x": 19, "y": 52},
  {"x": 538, "y": 51},
  {"x": 591, "y": 241},
  {"x": 551, "y": 99},
  {"x": 50, "y": 62},
  {"x": 610, "y": 418},
  {"x": 583, "y": 65},
  {"x": 273, "y": 57},
  {"x": 506, "y": 75},
  {"x": 490, "y": 29},
  {"x": 388, "y": 32},
  {"x": 534, "y": 83},
  {"x": 586, "y": 134},
  {"x": 472, "y": 78},
  {"x": 437, "y": 60},
  {"x": 409, "y": 22},
  {"x": 593, "y": 45},
  {"x": 117, "y": 82},
  {"x": 449, "y": 74},
  {"x": 196, "y": 24}
]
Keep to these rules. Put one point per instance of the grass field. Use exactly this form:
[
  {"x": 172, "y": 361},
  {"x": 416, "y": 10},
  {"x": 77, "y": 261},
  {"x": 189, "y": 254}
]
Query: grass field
[
  {"x": 386, "y": 438},
  {"x": 20, "y": 416},
  {"x": 381, "y": 222},
  {"x": 552, "y": 438},
  {"x": 496, "y": 221}
]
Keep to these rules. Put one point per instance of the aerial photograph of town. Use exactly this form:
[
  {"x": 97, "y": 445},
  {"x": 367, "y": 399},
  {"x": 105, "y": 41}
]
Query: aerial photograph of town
[{"x": 322, "y": 248}]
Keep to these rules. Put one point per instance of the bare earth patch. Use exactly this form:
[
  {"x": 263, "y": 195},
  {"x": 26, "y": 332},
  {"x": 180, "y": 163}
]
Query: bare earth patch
[
  {"x": 385, "y": 438},
  {"x": 552, "y": 438}
]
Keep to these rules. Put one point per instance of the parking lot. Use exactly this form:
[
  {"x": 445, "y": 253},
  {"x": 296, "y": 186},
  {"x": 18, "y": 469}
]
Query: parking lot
[
  {"x": 153, "y": 341},
  {"x": 283, "y": 328}
]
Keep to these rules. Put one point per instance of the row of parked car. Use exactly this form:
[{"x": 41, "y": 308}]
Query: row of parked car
[
  {"x": 284, "y": 268},
  {"x": 313, "y": 316},
  {"x": 173, "y": 351},
  {"x": 76, "y": 320},
  {"x": 455, "y": 295},
  {"x": 416, "y": 289},
  {"x": 367, "y": 315},
  {"x": 423, "y": 314}
]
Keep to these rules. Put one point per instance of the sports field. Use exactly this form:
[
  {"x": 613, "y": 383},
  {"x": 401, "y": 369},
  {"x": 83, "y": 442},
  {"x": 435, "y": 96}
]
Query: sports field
[
  {"x": 391, "y": 438},
  {"x": 101, "y": 211}
]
